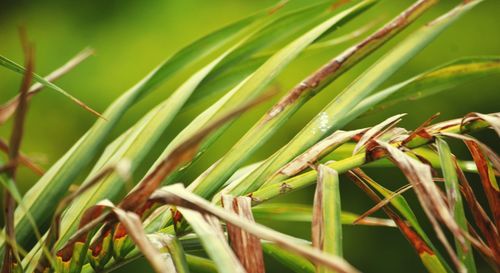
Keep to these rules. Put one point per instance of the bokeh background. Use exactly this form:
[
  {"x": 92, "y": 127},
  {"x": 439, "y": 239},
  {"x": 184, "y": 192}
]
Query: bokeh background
[{"x": 132, "y": 37}]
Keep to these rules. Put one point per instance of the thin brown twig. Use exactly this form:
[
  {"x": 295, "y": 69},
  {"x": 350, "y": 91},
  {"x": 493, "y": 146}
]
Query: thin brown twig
[
  {"x": 11, "y": 251},
  {"x": 23, "y": 159},
  {"x": 383, "y": 203}
]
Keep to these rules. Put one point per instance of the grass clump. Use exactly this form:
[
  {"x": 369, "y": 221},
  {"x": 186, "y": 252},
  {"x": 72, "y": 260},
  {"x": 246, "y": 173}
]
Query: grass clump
[{"x": 96, "y": 228}]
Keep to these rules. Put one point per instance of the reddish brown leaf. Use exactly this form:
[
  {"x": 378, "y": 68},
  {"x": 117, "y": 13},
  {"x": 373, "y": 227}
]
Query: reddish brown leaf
[
  {"x": 488, "y": 179},
  {"x": 415, "y": 240},
  {"x": 481, "y": 219},
  {"x": 422, "y": 130},
  {"x": 430, "y": 198},
  {"x": 489, "y": 153}
]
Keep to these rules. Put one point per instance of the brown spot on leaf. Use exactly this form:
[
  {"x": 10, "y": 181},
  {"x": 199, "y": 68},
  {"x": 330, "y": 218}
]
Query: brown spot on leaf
[
  {"x": 284, "y": 188},
  {"x": 374, "y": 151}
]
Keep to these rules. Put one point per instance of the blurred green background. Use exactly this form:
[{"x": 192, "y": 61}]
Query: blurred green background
[{"x": 132, "y": 37}]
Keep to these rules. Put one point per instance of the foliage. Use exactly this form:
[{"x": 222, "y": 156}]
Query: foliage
[{"x": 98, "y": 228}]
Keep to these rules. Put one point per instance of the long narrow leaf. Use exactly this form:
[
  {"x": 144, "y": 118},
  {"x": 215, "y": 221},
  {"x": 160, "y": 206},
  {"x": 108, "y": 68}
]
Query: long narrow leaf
[
  {"x": 290, "y": 212},
  {"x": 20, "y": 69},
  {"x": 336, "y": 114},
  {"x": 177, "y": 195},
  {"x": 210, "y": 233},
  {"x": 254, "y": 85},
  {"x": 296, "y": 97},
  {"x": 9, "y": 107},
  {"x": 269, "y": 70},
  {"x": 326, "y": 225},
  {"x": 247, "y": 247},
  {"x": 41, "y": 199},
  {"x": 429, "y": 256},
  {"x": 455, "y": 202},
  {"x": 430, "y": 82},
  {"x": 140, "y": 140},
  {"x": 290, "y": 260}
]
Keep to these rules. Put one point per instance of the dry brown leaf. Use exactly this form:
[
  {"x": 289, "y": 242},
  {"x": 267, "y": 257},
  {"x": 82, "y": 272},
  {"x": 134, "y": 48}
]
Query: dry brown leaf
[
  {"x": 358, "y": 176},
  {"x": 323, "y": 147},
  {"x": 246, "y": 246},
  {"x": 422, "y": 130},
  {"x": 376, "y": 131},
  {"x": 430, "y": 198},
  {"x": 490, "y": 154},
  {"x": 481, "y": 219},
  {"x": 488, "y": 179},
  {"x": 177, "y": 195}
]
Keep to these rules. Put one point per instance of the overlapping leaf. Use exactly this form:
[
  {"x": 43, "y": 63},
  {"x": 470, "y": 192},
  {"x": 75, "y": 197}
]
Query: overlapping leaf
[{"x": 337, "y": 113}]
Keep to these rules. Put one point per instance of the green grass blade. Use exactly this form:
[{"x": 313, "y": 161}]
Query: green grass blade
[
  {"x": 42, "y": 198},
  {"x": 228, "y": 75},
  {"x": 275, "y": 64},
  {"x": 210, "y": 233},
  {"x": 172, "y": 249},
  {"x": 200, "y": 265},
  {"x": 291, "y": 102},
  {"x": 294, "y": 262},
  {"x": 255, "y": 84},
  {"x": 9, "y": 64},
  {"x": 290, "y": 212},
  {"x": 431, "y": 82},
  {"x": 8, "y": 108},
  {"x": 464, "y": 251},
  {"x": 326, "y": 224},
  {"x": 109, "y": 188},
  {"x": 141, "y": 139},
  {"x": 336, "y": 114},
  {"x": 283, "y": 29},
  {"x": 309, "y": 178},
  {"x": 177, "y": 195}
]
